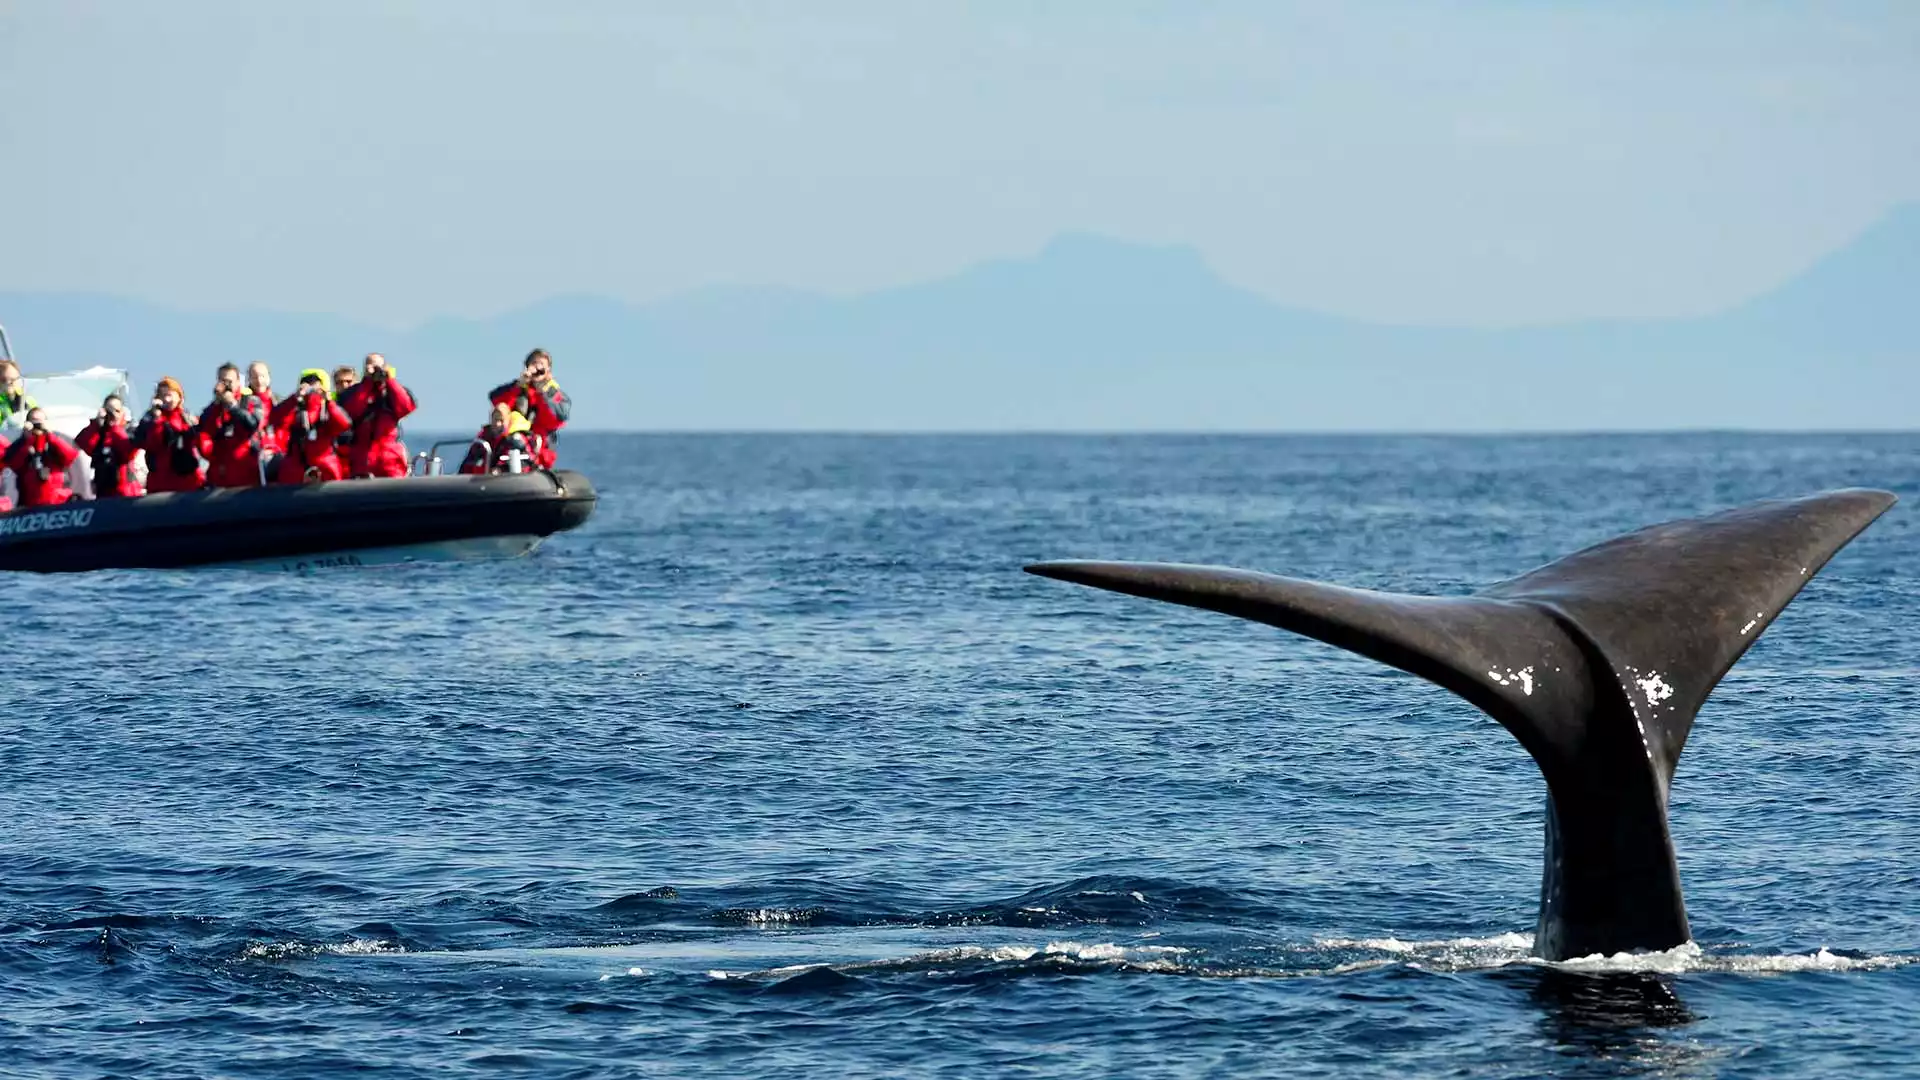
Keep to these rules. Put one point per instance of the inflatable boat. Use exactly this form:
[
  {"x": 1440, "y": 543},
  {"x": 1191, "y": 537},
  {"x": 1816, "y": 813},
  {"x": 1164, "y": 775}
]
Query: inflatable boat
[
  {"x": 427, "y": 517},
  {"x": 310, "y": 526}
]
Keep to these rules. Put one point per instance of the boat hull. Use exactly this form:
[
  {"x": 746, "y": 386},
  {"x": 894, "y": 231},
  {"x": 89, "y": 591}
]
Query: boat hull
[
  {"x": 434, "y": 517},
  {"x": 473, "y": 549}
]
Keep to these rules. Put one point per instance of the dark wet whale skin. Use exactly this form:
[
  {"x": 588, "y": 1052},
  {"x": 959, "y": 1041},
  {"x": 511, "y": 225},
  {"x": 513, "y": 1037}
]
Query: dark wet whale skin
[{"x": 1597, "y": 663}]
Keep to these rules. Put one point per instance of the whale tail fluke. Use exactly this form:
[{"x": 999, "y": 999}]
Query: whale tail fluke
[
  {"x": 1597, "y": 663},
  {"x": 1665, "y": 611}
]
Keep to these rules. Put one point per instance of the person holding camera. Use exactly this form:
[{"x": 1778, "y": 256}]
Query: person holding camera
[
  {"x": 309, "y": 422},
  {"x": 376, "y": 405},
  {"x": 232, "y": 426},
  {"x": 106, "y": 443},
  {"x": 40, "y": 459},
  {"x": 171, "y": 437},
  {"x": 536, "y": 396}
]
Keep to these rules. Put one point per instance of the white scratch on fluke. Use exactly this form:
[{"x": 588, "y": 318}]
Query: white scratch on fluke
[
  {"x": 1524, "y": 675},
  {"x": 1757, "y": 616},
  {"x": 1655, "y": 688}
]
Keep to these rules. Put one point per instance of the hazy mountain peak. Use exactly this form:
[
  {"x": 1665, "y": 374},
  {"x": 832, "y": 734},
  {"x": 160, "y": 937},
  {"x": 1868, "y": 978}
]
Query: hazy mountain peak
[
  {"x": 1091, "y": 331},
  {"x": 1863, "y": 292}
]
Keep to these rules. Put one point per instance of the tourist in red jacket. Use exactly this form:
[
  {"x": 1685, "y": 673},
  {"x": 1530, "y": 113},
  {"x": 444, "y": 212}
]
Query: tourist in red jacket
[
  {"x": 106, "y": 443},
  {"x": 537, "y": 397},
  {"x": 171, "y": 437},
  {"x": 40, "y": 459},
  {"x": 260, "y": 381},
  {"x": 376, "y": 405},
  {"x": 232, "y": 428},
  {"x": 308, "y": 422}
]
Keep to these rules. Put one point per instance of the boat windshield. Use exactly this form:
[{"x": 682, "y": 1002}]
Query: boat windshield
[{"x": 70, "y": 398}]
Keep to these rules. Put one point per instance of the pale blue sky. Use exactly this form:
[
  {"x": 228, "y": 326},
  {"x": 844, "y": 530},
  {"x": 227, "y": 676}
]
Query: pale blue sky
[{"x": 1480, "y": 163}]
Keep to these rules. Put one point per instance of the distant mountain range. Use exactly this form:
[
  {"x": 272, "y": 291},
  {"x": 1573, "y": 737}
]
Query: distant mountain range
[{"x": 1089, "y": 334}]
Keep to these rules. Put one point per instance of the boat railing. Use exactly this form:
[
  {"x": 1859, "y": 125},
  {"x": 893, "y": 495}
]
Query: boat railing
[{"x": 428, "y": 462}]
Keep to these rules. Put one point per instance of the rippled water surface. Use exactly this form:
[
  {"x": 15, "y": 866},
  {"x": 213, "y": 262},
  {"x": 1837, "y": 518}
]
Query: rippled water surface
[{"x": 780, "y": 766}]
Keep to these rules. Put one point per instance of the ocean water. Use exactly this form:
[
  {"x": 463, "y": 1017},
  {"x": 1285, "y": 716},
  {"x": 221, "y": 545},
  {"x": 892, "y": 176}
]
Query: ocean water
[{"x": 780, "y": 766}]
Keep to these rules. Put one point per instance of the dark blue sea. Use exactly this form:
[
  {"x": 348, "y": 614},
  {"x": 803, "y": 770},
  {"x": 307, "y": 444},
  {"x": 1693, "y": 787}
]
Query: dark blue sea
[{"x": 780, "y": 766}]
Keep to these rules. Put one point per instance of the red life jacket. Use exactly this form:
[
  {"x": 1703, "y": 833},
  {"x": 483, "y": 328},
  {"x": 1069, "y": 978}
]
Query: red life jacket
[
  {"x": 546, "y": 408},
  {"x": 270, "y": 441},
  {"x": 40, "y": 462},
  {"x": 376, "y": 407},
  {"x": 309, "y": 425},
  {"x": 233, "y": 441},
  {"x": 175, "y": 448},
  {"x": 111, "y": 450}
]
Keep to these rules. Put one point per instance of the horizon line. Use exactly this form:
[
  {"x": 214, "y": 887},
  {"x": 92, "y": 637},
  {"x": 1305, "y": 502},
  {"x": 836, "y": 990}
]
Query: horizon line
[{"x": 1241, "y": 433}]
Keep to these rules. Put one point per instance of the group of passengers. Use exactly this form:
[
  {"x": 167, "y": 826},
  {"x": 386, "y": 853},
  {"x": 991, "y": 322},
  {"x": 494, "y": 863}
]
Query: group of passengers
[{"x": 346, "y": 426}]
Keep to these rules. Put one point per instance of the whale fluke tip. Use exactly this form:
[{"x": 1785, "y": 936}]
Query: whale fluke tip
[{"x": 1089, "y": 571}]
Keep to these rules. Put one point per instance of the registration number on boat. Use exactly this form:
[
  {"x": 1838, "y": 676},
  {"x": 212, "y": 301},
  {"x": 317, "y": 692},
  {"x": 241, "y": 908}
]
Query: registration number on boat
[
  {"x": 322, "y": 562},
  {"x": 46, "y": 521}
]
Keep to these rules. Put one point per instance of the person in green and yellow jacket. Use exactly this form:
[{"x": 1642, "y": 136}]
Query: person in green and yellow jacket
[{"x": 15, "y": 402}]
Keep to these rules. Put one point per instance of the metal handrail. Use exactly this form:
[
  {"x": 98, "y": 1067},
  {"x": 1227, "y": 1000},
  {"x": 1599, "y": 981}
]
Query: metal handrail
[
  {"x": 6, "y": 347},
  {"x": 429, "y": 459}
]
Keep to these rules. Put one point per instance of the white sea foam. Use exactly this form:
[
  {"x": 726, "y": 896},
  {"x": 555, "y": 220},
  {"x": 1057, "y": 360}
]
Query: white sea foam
[
  {"x": 1135, "y": 957},
  {"x": 1318, "y": 958},
  {"x": 288, "y": 950},
  {"x": 1496, "y": 943},
  {"x": 1690, "y": 957},
  {"x": 775, "y": 917},
  {"x": 1466, "y": 954}
]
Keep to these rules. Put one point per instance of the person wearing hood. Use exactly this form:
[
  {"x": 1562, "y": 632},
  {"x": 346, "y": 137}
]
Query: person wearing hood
[
  {"x": 106, "y": 443},
  {"x": 308, "y": 422},
  {"x": 14, "y": 399},
  {"x": 536, "y": 396},
  {"x": 376, "y": 405},
  {"x": 494, "y": 447},
  {"x": 40, "y": 458},
  {"x": 171, "y": 437},
  {"x": 232, "y": 428}
]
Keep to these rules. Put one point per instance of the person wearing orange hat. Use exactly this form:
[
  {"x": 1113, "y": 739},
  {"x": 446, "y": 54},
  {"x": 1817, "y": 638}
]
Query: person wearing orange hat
[
  {"x": 308, "y": 422},
  {"x": 176, "y": 450}
]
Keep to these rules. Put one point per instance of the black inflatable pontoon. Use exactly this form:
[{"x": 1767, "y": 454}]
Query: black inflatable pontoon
[{"x": 346, "y": 523}]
